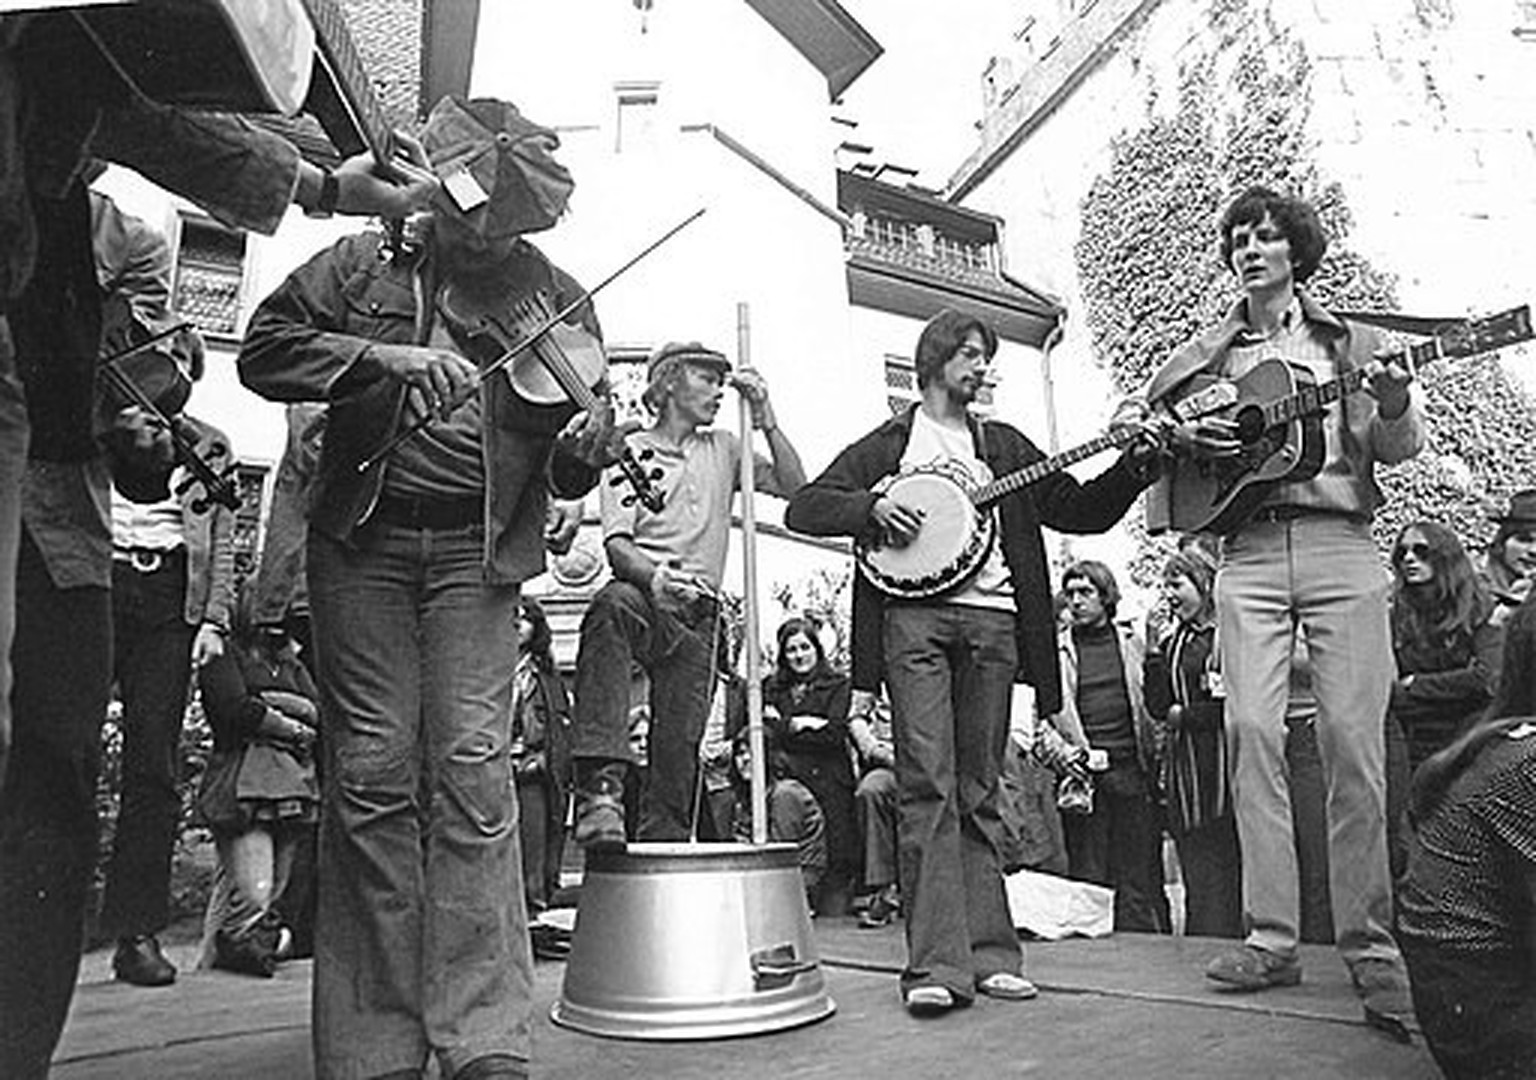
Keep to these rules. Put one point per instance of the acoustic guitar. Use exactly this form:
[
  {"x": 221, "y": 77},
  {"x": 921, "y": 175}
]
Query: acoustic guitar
[{"x": 1278, "y": 408}]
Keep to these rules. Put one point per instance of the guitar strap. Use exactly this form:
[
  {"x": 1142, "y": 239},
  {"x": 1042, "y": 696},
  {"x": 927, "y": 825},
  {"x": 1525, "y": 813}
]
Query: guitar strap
[{"x": 1422, "y": 325}]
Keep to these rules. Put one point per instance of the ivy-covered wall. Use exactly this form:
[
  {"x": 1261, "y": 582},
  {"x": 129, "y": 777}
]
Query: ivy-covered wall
[{"x": 1149, "y": 267}]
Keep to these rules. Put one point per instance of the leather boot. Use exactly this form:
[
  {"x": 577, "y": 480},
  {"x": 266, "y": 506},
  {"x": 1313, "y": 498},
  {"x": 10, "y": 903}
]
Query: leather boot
[
  {"x": 600, "y": 804},
  {"x": 138, "y": 960}
]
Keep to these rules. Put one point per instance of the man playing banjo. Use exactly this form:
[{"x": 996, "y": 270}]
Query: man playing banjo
[{"x": 949, "y": 659}]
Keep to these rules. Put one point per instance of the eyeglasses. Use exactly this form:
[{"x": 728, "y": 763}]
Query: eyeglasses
[{"x": 1418, "y": 551}]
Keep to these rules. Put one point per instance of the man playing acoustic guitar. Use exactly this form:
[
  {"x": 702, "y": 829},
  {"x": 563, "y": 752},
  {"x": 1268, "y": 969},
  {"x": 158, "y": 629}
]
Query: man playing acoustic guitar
[
  {"x": 950, "y": 660},
  {"x": 1303, "y": 558}
]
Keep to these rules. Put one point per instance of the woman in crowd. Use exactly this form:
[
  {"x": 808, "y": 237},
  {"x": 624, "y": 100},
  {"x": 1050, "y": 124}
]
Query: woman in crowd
[
  {"x": 259, "y": 794},
  {"x": 1446, "y": 646},
  {"x": 1465, "y": 908},
  {"x": 541, "y": 719},
  {"x": 1511, "y": 564},
  {"x": 1183, "y": 690},
  {"x": 805, "y": 706}
]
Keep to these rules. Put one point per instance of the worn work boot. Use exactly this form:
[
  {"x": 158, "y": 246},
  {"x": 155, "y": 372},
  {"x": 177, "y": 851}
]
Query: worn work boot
[{"x": 600, "y": 806}]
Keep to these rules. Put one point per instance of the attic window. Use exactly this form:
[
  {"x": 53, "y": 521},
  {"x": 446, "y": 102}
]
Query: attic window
[{"x": 637, "y": 116}]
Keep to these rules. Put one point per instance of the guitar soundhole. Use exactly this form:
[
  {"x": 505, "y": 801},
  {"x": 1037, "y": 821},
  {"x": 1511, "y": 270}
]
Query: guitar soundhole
[{"x": 1250, "y": 425}]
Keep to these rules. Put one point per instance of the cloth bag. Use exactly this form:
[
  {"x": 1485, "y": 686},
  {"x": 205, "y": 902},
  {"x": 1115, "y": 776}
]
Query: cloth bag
[{"x": 1053, "y": 908}]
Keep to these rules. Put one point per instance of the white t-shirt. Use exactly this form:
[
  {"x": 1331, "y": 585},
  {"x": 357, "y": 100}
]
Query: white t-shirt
[{"x": 932, "y": 442}]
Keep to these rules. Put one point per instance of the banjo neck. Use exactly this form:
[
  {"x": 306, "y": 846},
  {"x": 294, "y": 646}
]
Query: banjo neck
[{"x": 990, "y": 493}]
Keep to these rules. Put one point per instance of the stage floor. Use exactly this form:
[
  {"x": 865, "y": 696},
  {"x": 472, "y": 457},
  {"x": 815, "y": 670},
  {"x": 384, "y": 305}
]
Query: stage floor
[{"x": 1125, "y": 1006}]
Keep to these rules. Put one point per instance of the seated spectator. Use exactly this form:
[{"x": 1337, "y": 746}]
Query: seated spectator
[
  {"x": 540, "y": 749},
  {"x": 869, "y": 729},
  {"x": 1465, "y": 906},
  {"x": 258, "y": 794},
  {"x": 1511, "y": 562},
  {"x": 1184, "y": 691},
  {"x": 794, "y": 817},
  {"x": 805, "y": 703}
]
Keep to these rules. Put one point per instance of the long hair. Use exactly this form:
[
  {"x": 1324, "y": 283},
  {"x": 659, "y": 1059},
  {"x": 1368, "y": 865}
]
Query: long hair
[
  {"x": 1101, "y": 578},
  {"x": 782, "y": 675},
  {"x": 541, "y": 641},
  {"x": 942, "y": 337},
  {"x": 1444, "y": 613},
  {"x": 1295, "y": 219},
  {"x": 1513, "y": 705}
]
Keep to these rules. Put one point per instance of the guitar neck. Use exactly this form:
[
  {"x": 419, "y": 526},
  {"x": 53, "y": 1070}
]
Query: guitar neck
[
  {"x": 346, "y": 106},
  {"x": 1481, "y": 335},
  {"x": 1022, "y": 478}
]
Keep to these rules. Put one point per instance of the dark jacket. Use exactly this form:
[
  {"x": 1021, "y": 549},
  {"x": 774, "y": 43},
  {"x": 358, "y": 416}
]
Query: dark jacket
[
  {"x": 1452, "y": 684},
  {"x": 309, "y": 341},
  {"x": 838, "y": 503}
]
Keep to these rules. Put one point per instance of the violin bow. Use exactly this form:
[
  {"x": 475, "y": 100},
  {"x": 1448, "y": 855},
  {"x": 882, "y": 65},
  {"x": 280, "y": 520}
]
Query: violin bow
[
  {"x": 506, "y": 358},
  {"x": 217, "y": 486}
]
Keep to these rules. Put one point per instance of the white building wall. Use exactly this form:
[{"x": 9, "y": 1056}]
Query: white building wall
[{"x": 1426, "y": 113}]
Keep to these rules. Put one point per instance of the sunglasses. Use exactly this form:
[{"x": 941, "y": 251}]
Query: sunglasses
[{"x": 1418, "y": 551}]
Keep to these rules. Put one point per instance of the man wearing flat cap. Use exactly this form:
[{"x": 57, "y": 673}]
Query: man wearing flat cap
[
  {"x": 414, "y": 567},
  {"x": 661, "y": 609}
]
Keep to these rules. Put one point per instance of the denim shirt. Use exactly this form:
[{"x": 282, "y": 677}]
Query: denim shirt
[{"x": 310, "y": 341}]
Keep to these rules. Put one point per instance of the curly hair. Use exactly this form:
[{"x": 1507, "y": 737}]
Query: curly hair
[{"x": 1295, "y": 219}]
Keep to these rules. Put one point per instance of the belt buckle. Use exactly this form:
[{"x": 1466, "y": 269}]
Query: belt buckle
[{"x": 146, "y": 561}]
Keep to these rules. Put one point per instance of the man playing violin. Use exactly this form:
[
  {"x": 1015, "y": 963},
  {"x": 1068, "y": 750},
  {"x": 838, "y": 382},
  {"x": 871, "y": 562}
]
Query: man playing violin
[
  {"x": 1304, "y": 562},
  {"x": 414, "y": 562},
  {"x": 60, "y": 105},
  {"x": 661, "y": 609},
  {"x": 949, "y": 663}
]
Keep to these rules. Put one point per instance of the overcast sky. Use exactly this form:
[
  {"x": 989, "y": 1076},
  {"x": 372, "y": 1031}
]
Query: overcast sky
[{"x": 918, "y": 104}]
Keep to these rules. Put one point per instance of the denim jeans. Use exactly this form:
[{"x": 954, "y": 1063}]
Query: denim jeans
[
  {"x": 622, "y": 628},
  {"x": 1325, "y": 575},
  {"x": 63, "y": 662},
  {"x": 950, "y": 673},
  {"x": 152, "y": 660},
  {"x": 422, "y": 935}
]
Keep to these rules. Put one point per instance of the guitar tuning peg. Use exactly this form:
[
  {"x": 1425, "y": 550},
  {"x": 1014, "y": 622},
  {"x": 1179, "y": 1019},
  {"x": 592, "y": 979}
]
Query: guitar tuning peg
[
  {"x": 654, "y": 474},
  {"x": 627, "y": 501},
  {"x": 646, "y": 454}
]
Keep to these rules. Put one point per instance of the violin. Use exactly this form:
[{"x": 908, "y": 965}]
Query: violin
[
  {"x": 562, "y": 369},
  {"x": 579, "y": 392},
  {"x": 135, "y": 374}
]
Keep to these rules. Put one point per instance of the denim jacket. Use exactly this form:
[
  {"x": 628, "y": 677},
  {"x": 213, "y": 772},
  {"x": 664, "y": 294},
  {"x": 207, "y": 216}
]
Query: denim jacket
[{"x": 310, "y": 341}]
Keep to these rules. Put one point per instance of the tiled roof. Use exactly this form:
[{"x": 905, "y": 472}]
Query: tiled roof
[{"x": 387, "y": 34}]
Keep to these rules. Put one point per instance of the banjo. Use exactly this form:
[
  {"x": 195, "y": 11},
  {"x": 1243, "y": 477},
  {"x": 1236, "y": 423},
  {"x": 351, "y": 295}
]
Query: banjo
[{"x": 959, "y": 528}]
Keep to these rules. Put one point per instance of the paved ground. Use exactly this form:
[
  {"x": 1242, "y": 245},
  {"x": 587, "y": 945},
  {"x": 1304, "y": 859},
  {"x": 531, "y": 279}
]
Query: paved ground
[{"x": 1126, "y": 1006}]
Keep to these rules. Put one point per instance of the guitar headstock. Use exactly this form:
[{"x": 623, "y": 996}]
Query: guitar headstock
[{"x": 1486, "y": 334}]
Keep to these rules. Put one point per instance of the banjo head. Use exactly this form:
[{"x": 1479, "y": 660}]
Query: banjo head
[{"x": 954, "y": 539}]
